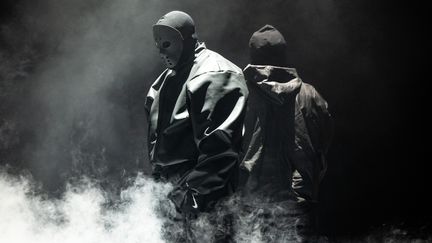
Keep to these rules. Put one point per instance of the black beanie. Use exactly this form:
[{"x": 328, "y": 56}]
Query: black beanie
[{"x": 268, "y": 47}]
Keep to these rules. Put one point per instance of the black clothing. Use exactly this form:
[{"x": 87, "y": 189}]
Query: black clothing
[{"x": 195, "y": 129}]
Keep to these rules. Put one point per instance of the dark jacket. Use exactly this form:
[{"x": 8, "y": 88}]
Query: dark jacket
[
  {"x": 195, "y": 128},
  {"x": 288, "y": 131}
]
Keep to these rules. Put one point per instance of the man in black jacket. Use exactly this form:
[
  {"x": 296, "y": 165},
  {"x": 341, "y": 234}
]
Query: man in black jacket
[
  {"x": 288, "y": 132},
  {"x": 195, "y": 111}
]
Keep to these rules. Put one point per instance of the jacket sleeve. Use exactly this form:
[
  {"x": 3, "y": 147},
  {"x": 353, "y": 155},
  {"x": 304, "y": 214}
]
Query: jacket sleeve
[
  {"x": 321, "y": 125},
  {"x": 216, "y": 102},
  {"x": 319, "y": 122},
  {"x": 310, "y": 163}
]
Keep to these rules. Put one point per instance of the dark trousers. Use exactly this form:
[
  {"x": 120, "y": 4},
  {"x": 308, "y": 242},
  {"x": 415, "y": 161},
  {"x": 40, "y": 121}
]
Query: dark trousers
[
  {"x": 276, "y": 222},
  {"x": 215, "y": 226}
]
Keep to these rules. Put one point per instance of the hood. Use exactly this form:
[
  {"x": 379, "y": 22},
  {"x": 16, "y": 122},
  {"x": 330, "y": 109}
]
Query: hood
[
  {"x": 267, "y": 46},
  {"x": 276, "y": 84},
  {"x": 179, "y": 21}
]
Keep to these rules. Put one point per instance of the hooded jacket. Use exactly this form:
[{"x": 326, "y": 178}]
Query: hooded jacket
[
  {"x": 288, "y": 131},
  {"x": 195, "y": 118}
]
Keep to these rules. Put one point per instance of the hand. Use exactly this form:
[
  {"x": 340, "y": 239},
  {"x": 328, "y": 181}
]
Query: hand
[
  {"x": 186, "y": 200},
  {"x": 191, "y": 206}
]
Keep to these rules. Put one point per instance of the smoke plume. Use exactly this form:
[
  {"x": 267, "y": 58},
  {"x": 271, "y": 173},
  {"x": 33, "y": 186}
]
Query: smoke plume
[{"x": 82, "y": 214}]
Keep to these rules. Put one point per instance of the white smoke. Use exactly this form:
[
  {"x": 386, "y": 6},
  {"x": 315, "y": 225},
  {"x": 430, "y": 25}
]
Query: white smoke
[
  {"x": 81, "y": 214},
  {"x": 86, "y": 213}
]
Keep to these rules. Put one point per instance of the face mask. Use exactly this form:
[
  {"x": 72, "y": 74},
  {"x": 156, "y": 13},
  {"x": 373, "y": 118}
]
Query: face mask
[{"x": 169, "y": 41}]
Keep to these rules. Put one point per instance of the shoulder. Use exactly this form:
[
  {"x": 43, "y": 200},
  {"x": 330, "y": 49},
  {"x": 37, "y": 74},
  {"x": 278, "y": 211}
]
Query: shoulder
[
  {"x": 210, "y": 61},
  {"x": 154, "y": 88},
  {"x": 309, "y": 98},
  {"x": 216, "y": 71},
  {"x": 308, "y": 92}
]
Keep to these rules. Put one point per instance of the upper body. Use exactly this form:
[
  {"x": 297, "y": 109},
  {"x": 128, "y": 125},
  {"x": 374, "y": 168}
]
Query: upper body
[
  {"x": 195, "y": 112},
  {"x": 288, "y": 131},
  {"x": 288, "y": 127}
]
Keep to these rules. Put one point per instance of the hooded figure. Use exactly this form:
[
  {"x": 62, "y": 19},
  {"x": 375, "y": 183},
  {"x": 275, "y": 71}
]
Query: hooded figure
[
  {"x": 196, "y": 110},
  {"x": 288, "y": 132}
]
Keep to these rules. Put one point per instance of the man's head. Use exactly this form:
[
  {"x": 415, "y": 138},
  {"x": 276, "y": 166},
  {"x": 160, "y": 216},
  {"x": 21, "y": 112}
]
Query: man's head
[
  {"x": 268, "y": 47},
  {"x": 174, "y": 34}
]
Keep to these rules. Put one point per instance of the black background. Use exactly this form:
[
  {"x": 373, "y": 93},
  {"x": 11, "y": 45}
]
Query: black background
[{"x": 369, "y": 68}]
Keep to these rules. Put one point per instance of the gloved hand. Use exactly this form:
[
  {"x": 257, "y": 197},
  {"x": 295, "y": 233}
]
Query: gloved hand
[{"x": 187, "y": 201}]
